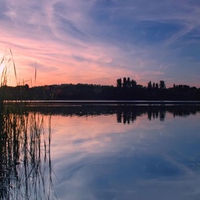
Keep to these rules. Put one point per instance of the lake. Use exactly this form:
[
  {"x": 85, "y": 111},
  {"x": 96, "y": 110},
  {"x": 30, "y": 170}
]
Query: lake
[{"x": 110, "y": 152}]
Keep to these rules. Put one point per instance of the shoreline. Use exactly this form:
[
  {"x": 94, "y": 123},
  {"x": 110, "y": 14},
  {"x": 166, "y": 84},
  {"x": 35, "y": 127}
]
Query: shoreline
[{"x": 102, "y": 102}]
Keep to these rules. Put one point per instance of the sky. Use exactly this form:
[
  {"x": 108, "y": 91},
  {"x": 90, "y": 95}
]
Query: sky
[{"x": 99, "y": 41}]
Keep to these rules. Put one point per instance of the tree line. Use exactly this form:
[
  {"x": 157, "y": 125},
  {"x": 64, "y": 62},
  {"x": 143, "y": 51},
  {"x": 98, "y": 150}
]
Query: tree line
[
  {"x": 125, "y": 89},
  {"x": 129, "y": 89},
  {"x": 131, "y": 83}
]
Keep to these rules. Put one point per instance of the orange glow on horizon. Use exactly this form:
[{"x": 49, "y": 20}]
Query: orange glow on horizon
[
  {"x": 57, "y": 64},
  {"x": 68, "y": 42}
]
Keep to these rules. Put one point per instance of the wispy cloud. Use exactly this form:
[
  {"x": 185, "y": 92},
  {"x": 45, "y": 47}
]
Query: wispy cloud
[{"x": 92, "y": 36}]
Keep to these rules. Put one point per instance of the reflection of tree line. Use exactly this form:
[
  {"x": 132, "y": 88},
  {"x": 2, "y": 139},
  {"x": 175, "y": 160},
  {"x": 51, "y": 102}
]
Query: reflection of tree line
[
  {"x": 127, "y": 117},
  {"x": 125, "y": 114},
  {"x": 25, "y": 163},
  {"x": 155, "y": 113}
]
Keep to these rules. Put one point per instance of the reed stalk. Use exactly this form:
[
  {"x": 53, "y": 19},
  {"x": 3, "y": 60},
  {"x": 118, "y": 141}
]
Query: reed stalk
[{"x": 25, "y": 159}]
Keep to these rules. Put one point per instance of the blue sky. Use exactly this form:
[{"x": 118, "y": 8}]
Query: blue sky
[{"x": 98, "y": 41}]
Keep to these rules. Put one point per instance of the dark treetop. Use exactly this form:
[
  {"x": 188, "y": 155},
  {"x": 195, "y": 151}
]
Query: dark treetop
[{"x": 125, "y": 89}]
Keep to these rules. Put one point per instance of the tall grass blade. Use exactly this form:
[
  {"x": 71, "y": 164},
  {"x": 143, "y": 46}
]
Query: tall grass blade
[
  {"x": 35, "y": 74},
  {"x": 14, "y": 66}
]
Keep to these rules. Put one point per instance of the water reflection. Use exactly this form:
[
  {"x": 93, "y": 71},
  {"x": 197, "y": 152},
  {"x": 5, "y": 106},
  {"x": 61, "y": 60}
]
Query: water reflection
[
  {"x": 25, "y": 156},
  {"x": 98, "y": 158},
  {"x": 129, "y": 115},
  {"x": 125, "y": 114},
  {"x": 100, "y": 152}
]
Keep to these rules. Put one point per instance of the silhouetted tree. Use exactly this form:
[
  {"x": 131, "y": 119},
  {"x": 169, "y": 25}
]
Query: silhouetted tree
[
  {"x": 149, "y": 86},
  {"x": 124, "y": 82},
  {"x": 129, "y": 90},
  {"x": 119, "y": 82},
  {"x": 156, "y": 85},
  {"x": 133, "y": 83},
  {"x": 128, "y": 82},
  {"x": 162, "y": 85}
]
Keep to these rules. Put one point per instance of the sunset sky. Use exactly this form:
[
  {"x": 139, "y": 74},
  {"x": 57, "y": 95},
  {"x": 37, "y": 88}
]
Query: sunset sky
[{"x": 98, "y": 41}]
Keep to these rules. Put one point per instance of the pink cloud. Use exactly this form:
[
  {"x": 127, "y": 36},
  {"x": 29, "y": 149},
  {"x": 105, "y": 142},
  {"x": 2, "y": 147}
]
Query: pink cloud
[{"x": 62, "y": 41}]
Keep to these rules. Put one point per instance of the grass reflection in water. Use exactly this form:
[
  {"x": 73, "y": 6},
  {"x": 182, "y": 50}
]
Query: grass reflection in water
[{"x": 25, "y": 157}]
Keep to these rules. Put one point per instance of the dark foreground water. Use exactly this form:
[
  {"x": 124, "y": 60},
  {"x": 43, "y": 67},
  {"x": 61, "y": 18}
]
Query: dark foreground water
[{"x": 115, "y": 153}]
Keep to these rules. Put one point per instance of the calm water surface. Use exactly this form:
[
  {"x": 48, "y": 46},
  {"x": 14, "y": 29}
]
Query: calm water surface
[
  {"x": 126, "y": 154},
  {"x": 90, "y": 152}
]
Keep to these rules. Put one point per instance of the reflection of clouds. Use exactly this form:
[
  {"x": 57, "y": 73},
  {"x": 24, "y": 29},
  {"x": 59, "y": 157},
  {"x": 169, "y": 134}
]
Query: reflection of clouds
[
  {"x": 122, "y": 179},
  {"x": 97, "y": 158},
  {"x": 86, "y": 133}
]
